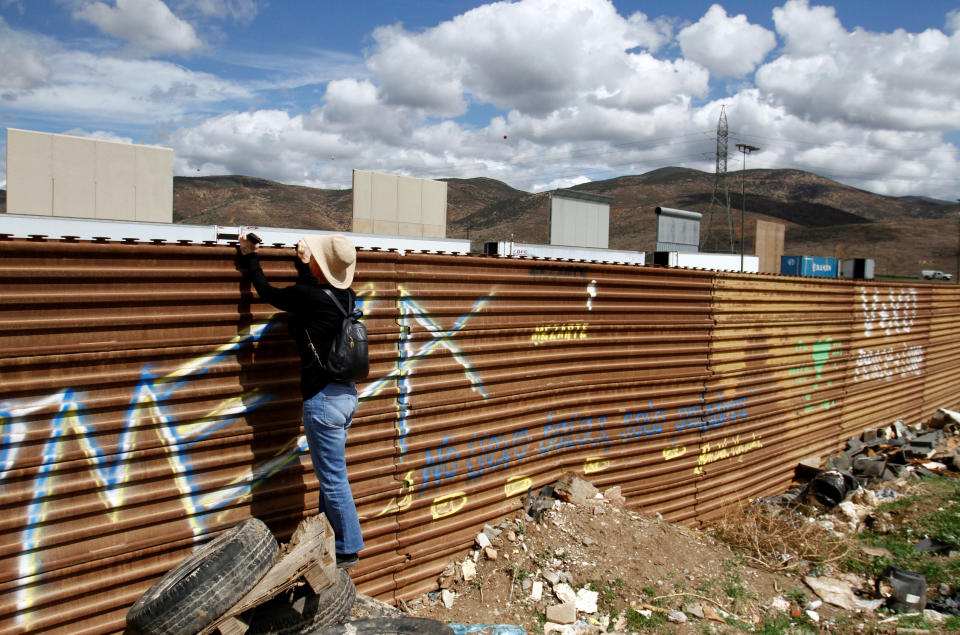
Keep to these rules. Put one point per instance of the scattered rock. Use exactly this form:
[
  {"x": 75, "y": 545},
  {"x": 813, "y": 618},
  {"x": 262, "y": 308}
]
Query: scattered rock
[
  {"x": 551, "y": 576},
  {"x": 934, "y": 617},
  {"x": 511, "y": 536},
  {"x": 490, "y": 553},
  {"x": 813, "y": 615},
  {"x": 677, "y": 617},
  {"x": 588, "y": 541},
  {"x": 564, "y": 613},
  {"x": 694, "y": 609},
  {"x": 780, "y": 604}
]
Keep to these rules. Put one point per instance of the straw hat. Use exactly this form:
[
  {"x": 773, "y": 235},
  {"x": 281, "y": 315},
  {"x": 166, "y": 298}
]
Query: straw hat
[{"x": 336, "y": 257}]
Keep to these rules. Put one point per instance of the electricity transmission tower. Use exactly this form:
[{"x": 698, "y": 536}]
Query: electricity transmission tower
[{"x": 721, "y": 195}]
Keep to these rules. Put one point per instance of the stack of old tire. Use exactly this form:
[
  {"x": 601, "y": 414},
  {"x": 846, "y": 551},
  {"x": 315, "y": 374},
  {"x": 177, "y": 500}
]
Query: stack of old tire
[{"x": 207, "y": 584}]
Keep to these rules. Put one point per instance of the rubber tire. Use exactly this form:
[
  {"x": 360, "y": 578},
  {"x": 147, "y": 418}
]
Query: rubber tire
[
  {"x": 300, "y": 611},
  {"x": 208, "y": 583},
  {"x": 389, "y": 626}
]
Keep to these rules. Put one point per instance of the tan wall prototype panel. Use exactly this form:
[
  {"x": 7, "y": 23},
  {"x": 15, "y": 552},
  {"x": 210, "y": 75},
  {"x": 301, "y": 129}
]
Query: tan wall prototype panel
[
  {"x": 74, "y": 177},
  {"x": 149, "y": 401},
  {"x": 116, "y": 190},
  {"x": 399, "y": 205},
  {"x": 77, "y": 177},
  {"x": 769, "y": 245},
  {"x": 29, "y": 173}
]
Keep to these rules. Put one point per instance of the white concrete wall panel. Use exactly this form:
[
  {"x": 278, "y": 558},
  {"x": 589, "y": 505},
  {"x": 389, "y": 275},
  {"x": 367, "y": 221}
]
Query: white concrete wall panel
[
  {"x": 116, "y": 191},
  {"x": 154, "y": 184},
  {"x": 399, "y": 205},
  {"x": 362, "y": 193},
  {"x": 577, "y": 223},
  {"x": 384, "y": 198},
  {"x": 74, "y": 177},
  {"x": 29, "y": 176},
  {"x": 409, "y": 201},
  {"x": 434, "y": 205}
]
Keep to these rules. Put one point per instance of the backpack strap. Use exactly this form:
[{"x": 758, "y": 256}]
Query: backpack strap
[{"x": 337, "y": 302}]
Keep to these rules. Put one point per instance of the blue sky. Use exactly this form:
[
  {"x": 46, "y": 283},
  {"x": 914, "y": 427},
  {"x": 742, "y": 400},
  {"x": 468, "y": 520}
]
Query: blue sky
[{"x": 537, "y": 93}]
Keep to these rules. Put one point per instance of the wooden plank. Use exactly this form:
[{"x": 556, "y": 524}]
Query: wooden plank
[{"x": 309, "y": 553}]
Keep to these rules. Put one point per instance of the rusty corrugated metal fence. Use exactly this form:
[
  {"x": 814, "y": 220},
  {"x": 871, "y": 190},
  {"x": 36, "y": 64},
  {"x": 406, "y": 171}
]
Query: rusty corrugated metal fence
[{"x": 149, "y": 400}]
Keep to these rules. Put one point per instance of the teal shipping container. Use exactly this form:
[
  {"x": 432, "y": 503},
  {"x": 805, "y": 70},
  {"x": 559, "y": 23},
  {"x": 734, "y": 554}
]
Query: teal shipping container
[{"x": 813, "y": 266}]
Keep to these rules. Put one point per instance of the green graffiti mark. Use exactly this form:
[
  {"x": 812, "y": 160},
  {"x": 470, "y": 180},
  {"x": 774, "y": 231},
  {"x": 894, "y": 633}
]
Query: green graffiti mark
[{"x": 820, "y": 352}]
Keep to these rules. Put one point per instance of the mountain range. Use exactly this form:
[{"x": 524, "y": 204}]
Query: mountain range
[{"x": 821, "y": 217}]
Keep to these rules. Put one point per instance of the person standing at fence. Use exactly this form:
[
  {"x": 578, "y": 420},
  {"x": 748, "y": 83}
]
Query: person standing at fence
[{"x": 322, "y": 262}]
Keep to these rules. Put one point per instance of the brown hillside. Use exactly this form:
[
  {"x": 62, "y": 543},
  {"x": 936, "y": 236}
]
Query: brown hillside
[{"x": 822, "y": 217}]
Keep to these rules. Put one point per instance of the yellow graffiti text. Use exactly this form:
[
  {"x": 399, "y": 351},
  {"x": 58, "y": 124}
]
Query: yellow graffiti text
[
  {"x": 728, "y": 448},
  {"x": 554, "y": 332},
  {"x": 674, "y": 452},
  {"x": 595, "y": 464},
  {"x": 448, "y": 505},
  {"x": 516, "y": 485}
]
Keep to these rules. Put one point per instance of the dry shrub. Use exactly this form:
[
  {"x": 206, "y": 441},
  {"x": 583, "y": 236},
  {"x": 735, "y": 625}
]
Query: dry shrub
[{"x": 778, "y": 538}]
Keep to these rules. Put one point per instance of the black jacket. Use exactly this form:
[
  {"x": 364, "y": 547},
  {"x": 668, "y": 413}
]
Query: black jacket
[{"x": 311, "y": 310}]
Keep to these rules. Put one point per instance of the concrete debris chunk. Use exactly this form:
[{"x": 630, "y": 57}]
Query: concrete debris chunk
[
  {"x": 615, "y": 496},
  {"x": 551, "y": 576},
  {"x": 490, "y": 553},
  {"x": 536, "y": 591},
  {"x": 565, "y": 593},
  {"x": 832, "y": 591},
  {"x": 573, "y": 489},
  {"x": 446, "y": 596},
  {"x": 564, "y": 613},
  {"x": 780, "y": 604},
  {"x": 468, "y": 570},
  {"x": 482, "y": 540},
  {"x": 587, "y": 601}
]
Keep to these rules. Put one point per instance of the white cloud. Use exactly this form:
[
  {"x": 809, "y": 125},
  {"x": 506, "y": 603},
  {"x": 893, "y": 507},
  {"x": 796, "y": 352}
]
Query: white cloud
[
  {"x": 559, "y": 184},
  {"x": 241, "y": 11},
  {"x": 534, "y": 56},
  {"x": 148, "y": 25},
  {"x": 728, "y": 46},
  {"x": 899, "y": 80},
  {"x": 808, "y": 30},
  {"x": 24, "y": 60},
  {"x": 86, "y": 87},
  {"x": 953, "y": 21},
  {"x": 99, "y": 135}
]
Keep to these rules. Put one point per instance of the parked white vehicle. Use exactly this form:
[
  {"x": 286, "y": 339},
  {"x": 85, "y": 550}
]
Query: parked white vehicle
[{"x": 931, "y": 274}]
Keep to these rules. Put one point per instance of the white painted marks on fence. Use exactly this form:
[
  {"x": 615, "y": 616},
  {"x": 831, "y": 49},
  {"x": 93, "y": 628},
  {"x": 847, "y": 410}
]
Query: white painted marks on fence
[
  {"x": 894, "y": 361},
  {"x": 888, "y": 311}
]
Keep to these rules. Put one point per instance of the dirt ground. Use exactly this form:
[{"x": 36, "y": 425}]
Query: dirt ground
[{"x": 638, "y": 566}]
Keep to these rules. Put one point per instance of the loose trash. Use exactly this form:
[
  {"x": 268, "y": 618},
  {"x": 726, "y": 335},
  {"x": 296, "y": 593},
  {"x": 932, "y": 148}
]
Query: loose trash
[{"x": 905, "y": 590}]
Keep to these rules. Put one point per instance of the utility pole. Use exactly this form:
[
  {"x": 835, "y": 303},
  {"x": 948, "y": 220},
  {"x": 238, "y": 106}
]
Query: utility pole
[{"x": 745, "y": 149}]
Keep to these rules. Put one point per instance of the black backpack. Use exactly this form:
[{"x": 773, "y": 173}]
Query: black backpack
[{"x": 348, "y": 359}]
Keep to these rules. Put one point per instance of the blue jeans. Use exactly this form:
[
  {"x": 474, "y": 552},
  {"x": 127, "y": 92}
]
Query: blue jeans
[{"x": 326, "y": 418}]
